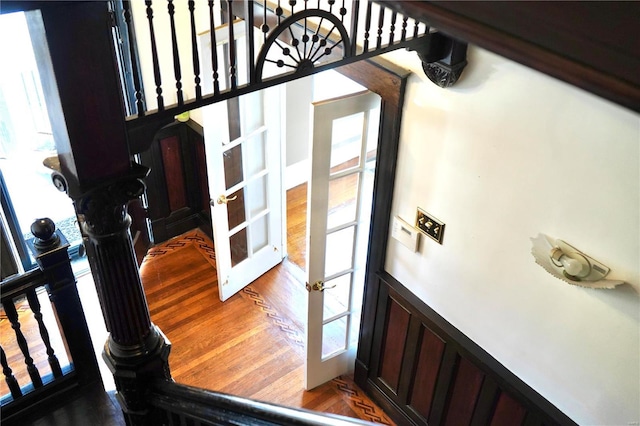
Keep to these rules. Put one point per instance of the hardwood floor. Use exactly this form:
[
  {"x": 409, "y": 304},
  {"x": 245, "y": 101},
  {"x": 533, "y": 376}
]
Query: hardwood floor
[
  {"x": 252, "y": 344},
  {"x": 297, "y": 225}
]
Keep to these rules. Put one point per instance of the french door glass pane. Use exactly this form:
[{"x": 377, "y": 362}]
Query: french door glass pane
[
  {"x": 233, "y": 166},
  {"x": 252, "y": 113},
  {"x": 238, "y": 244},
  {"x": 235, "y": 209},
  {"x": 343, "y": 196},
  {"x": 256, "y": 156},
  {"x": 259, "y": 233},
  {"x": 257, "y": 196},
  {"x": 339, "y": 251},
  {"x": 336, "y": 299},
  {"x": 346, "y": 142},
  {"x": 334, "y": 337}
]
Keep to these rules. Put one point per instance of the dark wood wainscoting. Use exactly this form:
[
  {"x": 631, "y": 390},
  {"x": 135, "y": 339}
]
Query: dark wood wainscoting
[
  {"x": 177, "y": 186},
  {"x": 422, "y": 370}
]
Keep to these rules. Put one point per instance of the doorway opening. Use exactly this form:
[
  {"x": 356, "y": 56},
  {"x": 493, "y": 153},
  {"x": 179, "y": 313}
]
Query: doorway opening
[{"x": 327, "y": 128}]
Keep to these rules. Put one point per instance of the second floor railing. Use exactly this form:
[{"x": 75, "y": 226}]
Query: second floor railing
[{"x": 181, "y": 55}]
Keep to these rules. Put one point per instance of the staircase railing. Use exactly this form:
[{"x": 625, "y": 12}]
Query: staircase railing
[
  {"x": 177, "y": 404},
  {"x": 46, "y": 379}
]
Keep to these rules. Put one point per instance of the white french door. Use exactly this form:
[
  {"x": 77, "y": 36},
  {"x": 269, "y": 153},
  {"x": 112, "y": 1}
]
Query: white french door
[
  {"x": 245, "y": 187},
  {"x": 343, "y": 154}
]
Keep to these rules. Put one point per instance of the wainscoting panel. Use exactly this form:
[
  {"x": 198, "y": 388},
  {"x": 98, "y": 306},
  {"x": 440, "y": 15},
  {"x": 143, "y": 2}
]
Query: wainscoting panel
[
  {"x": 429, "y": 359},
  {"x": 395, "y": 337},
  {"x": 177, "y": 185},
  {"x": 424, "y": 371}
]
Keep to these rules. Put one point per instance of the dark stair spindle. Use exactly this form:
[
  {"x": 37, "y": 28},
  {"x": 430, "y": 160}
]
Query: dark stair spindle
[
  {"x": 355, "y": 12},
  {"x": 176, "y": 54},
  {"x": 265, "y": 25},
  {"x": 403, "y": 37},
  {"x": 279, "y": 12},
  {"x": 12, "y": 314},
  {"x": 380, "y": 27},
  {"x": 392, "y": 29},
  {"x": 134, "y": 64},
  {"x": 232, "y": 47},
  {"x": 154, "y": 56},
  {"x": 367, "y": 27},
  {"x": 194, "y": 50},
  {"x": 14, "y": 387},
  {"x": 214, "y": 50},
  {"x": 34, "y": 304},
  {"x": 251, "y": 59}
]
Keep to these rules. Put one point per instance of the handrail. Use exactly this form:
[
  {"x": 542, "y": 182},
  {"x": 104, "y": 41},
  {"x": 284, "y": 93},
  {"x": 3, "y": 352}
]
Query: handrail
[
  {"x": 214, "y": 408},
  {"x": 18, "y": 285}
]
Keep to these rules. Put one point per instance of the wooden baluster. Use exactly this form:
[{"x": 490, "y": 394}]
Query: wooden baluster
[
  {"x": 367, "y": 26},
  {"x": 194, "y": 50},
  {"x": 305, "y": 36},
  {"x": 380, "y": 27},
  {"x": 265, "y": 26},
  {"x": 34, "y": 304},
  {"x": 251, "y": 57},
  {"x": 176, "y": 54},
  {"x": 416, "y": 29},
  {"x": 154, "y": 57},
  {"x": 214, "y": 50},
  {"x": 279, "y": 12},
  {"x": 137, "y": 84},
  {"x": 232, "y": 47},
  {"x": 394, "y": 16},
  {"x": 355, "y": 13},
  {"x": 12, "y": 314},
  {"x": 403, "y": 37},
  {"x": 14, "y": 387}
]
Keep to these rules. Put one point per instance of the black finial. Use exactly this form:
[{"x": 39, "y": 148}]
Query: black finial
[{"x": 44, "y": 230}]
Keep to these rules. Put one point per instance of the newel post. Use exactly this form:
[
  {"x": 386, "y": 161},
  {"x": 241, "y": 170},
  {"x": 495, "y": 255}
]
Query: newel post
[
  {"x": 80, "y": 80},
  {"x": 136, "y": 351},
  {"x": 50, "y": 249}
]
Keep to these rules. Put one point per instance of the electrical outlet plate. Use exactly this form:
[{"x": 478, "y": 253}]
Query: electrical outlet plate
[{"x": 429, "y": 225}]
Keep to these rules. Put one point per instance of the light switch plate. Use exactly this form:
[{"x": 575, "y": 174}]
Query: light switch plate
[
  {"x": 405, "y": 233},
  {"x": 429, "y": 225}
]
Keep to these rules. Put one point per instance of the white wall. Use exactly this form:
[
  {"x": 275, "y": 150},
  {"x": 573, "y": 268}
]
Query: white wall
[{"x": 505, "y": 154}]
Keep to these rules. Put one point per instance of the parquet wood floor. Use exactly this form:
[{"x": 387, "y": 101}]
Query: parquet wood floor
[{"x": 252, "y": 344}]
